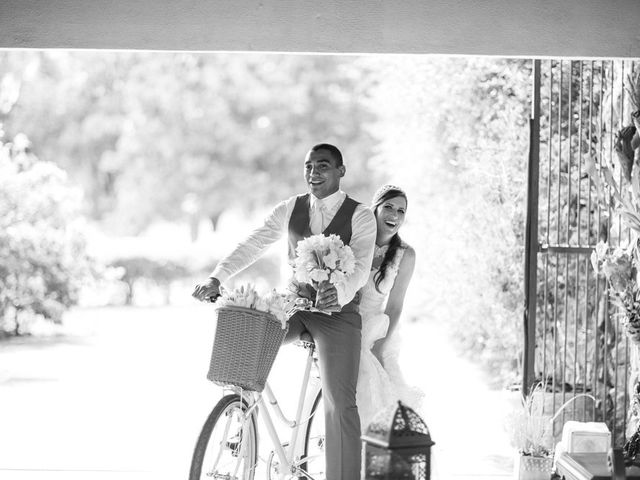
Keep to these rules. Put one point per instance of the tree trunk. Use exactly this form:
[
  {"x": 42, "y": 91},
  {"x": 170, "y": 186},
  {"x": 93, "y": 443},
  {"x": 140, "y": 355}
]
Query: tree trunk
[
  {"x": 167, "y": 293},
  {"x": 16, "y": 321},
  {"x": 129, "y": 298},
  {"x": 4, "y": 306},
  {"x": 194, "y": 230},
  {"x": 214, "y": 218}
]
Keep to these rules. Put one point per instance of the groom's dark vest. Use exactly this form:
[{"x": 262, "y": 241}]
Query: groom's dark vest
[{"x": 299, "y": 228}]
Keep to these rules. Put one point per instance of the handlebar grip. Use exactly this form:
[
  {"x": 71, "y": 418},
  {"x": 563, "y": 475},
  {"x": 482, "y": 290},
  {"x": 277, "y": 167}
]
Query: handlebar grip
[{"x": 213, "y": 298}]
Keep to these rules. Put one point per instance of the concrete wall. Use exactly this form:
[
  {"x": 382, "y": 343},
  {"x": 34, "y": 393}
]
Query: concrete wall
[{"x": 577, "y": 28}]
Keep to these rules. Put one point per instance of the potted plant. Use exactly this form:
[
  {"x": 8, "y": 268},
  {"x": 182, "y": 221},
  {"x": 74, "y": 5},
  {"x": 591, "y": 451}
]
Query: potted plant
[{"x": 531, "y": 434}]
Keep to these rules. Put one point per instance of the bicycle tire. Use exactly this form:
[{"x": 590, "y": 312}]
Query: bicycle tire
[
  {"x": 227, "y": 446},
  {"x": 310, "y": 437}
]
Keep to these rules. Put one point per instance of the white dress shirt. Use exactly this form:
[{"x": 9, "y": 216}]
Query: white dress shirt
[{"x": 363, "y": 238}]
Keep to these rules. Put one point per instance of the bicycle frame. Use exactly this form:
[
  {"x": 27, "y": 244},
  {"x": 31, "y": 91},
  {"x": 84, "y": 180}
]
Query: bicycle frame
[{"x": 291, "y": 457}]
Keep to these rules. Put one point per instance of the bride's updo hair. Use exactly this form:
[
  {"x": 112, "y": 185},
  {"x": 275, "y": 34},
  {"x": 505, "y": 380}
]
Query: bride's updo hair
[{"x": 384, "y": 193}]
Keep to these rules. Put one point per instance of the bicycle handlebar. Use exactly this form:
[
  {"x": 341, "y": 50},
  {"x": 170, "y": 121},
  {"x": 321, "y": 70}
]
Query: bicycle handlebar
[
  {"x": 300, "y": 304},
  {"x": 213, "y": 298}
]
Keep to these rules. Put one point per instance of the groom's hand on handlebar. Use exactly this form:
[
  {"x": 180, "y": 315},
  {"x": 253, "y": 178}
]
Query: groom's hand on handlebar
[
  {"x": 328, "y": 299},
  {"x": 208, "y": 291}
]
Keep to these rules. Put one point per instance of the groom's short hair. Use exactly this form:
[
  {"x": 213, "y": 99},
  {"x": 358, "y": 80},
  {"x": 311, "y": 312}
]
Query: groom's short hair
[{"x": 335, "y": 152}]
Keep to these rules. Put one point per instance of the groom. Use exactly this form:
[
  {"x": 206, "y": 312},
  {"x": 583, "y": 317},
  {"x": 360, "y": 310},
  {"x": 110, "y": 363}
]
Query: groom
[{"x": 328, "y": 210}]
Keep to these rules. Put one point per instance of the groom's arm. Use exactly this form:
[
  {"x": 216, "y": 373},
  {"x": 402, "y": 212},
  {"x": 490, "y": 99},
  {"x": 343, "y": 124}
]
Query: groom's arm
[
  {"x": 252, "y": 247},
  {"x": 363, "y": 238}
]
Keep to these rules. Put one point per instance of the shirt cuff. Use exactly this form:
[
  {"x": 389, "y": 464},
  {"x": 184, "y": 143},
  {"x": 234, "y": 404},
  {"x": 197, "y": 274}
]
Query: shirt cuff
[
  {"x": 343, "y": 297},
  {"x": 220, "y": 274}
]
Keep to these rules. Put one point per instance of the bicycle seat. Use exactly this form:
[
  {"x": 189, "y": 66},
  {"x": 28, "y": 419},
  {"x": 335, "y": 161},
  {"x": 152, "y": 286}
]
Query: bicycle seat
[{"x": 306, "y": 340}]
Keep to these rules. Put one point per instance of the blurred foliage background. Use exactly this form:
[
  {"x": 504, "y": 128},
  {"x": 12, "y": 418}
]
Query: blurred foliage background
[{"x": 124, "y": 176}]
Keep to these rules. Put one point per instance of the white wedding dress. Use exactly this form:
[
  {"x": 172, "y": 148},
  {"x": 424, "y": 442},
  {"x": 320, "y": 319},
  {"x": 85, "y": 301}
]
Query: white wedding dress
[{"x": 379, "y": 388}]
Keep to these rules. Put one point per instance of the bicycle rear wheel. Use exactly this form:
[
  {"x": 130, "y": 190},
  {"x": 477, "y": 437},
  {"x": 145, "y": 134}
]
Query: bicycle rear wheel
[
  {"x": 314, "y": 442},
  {"x": 227, "y": 448}
]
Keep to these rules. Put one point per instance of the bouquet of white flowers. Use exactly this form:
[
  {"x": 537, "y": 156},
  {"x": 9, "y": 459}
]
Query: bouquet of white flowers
[
  {"x": 246, "y": 296},
  {"x": 323, "y": 259}
]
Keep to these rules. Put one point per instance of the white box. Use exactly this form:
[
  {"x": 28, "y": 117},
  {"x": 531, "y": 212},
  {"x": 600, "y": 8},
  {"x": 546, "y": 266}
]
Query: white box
[{"x": 586, "y": 437}]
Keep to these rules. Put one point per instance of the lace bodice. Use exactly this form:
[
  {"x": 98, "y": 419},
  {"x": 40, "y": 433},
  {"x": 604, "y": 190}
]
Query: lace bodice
[{"x": 372, "y": 301}]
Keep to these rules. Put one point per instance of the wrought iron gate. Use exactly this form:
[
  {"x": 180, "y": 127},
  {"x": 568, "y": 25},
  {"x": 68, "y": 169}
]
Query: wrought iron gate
[{"x": 573, "y": 345}]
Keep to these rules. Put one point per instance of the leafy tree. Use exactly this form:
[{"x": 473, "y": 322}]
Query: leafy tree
[
  {"x": 168, "y": 135},
  {"x": 43, "y": 259},
  {"x": 162, "y": 273},
  {"x": 454, "y": 133}
]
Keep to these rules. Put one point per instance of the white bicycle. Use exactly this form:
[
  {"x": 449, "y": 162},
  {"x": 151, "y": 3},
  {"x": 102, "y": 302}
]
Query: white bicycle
[{"x": 227, "y": 448}]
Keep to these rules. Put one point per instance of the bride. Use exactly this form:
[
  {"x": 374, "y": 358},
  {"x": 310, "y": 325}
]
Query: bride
[{"x": 380, "y": 381}]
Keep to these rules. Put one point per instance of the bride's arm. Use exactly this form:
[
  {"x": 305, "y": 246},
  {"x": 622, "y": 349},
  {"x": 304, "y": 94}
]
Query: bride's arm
[{"x": 395, "y": 301}]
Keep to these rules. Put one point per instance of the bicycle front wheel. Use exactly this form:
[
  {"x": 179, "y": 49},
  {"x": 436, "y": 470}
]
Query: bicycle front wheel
[{"x": 227, "y": 448}]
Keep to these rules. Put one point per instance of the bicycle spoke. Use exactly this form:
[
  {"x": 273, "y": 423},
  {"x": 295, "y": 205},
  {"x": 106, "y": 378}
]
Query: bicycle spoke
[
  {"x": 313, "y": 465},
  {"x": 220, "y": 446},
  {"x": 243, "y": 449}
]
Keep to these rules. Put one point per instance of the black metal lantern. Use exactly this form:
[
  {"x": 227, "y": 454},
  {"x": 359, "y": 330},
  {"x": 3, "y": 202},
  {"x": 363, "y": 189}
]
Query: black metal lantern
[{"x": 397, "y": 445}]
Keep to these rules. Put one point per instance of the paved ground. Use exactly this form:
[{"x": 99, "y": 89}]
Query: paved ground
[{"x": 122, "y": 395}]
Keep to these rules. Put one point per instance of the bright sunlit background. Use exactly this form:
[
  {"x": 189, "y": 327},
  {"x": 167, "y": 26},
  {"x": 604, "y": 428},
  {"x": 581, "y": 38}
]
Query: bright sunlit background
[{"x": 125, "y": 176}]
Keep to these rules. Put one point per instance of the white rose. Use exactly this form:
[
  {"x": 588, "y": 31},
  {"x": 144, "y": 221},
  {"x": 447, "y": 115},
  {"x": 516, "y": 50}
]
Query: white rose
[
  {"x": 318, "y": 275},
  {"x": 331, "y": 259},
  {"x": 337, "y": 277}
]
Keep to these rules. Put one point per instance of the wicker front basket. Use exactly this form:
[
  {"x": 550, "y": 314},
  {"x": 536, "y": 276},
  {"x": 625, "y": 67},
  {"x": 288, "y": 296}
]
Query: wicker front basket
[{"x": 245, "y": 346}]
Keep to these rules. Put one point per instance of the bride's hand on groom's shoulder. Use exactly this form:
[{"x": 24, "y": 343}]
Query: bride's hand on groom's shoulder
[{"x": 207, "y": 290}]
